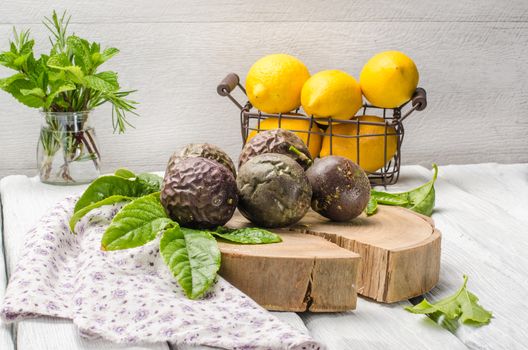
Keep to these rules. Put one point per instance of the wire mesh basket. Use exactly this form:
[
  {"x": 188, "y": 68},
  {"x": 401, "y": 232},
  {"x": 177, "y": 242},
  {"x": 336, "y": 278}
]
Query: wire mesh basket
[{"x": 388, "y": 127}]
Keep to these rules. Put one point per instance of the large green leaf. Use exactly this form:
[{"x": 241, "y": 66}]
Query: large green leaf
[
  {"x": 150, "y": 182},
  {"x": 193, "y": 258},
  {"x": 248, "y": 235},
  {"x": 111, "y": 185},
  {"x": 78, "y": 215},
  {"x": 136, "y": 223},
  {"x": 124, "y": 172}
]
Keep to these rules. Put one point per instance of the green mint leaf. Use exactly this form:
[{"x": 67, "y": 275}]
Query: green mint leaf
[
  {"x": 81, "y": 52},
  {"x": 460, "y": 307},
  {"x": 111, "y": 185},
  {"x": 193, "y": 258},
  {"x": 372, "y": 206},
  {"x": 136, "y": 224},
  {"x": 62, "y": 88},
  {"x": 248, "y": 235},
  {"x": 125, "y": 173},
  {"x": 62, "y": 62},
  {"x": 15, "y": 89},
  {"x": 103, "y": 82},
  {"x": 4, "y": 83},
  {"x": 108, "y": 54},
  {"x": 78, "y": 215},
  {"x": 7, "y": 59},
  {"x": 37, "y": 92}
]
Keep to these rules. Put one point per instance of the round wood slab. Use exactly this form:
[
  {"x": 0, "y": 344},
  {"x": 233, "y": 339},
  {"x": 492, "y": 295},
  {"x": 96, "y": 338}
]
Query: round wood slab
[
  {"x": 399, "y": 249},
  {"x": 294, "y": 275},
  {"x": 321, "y": 265}
]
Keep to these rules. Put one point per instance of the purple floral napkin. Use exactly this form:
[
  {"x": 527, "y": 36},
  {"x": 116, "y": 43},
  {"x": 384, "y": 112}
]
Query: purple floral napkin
[{"x": 130, "y": 296}]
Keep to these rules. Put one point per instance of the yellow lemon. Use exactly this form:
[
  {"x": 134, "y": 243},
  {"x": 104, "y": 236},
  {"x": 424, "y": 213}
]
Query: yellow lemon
[
  {"x": 274, "y": 83},
  {"x": 389, "y": 79},
  {"x": 331, "y": 93},
  {"x": 371, "y": 148},
  {"x": 297, "y": 126}
]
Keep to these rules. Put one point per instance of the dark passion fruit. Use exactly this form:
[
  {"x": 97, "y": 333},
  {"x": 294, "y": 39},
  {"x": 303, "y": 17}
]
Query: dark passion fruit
[
  {"x": 209, "y": 151},
  {"x": 198, "y": 192},
  {"x": 277, "y": 141},
  {"x": 273, "y": 190},
  {"x": 341, "y": 189}
]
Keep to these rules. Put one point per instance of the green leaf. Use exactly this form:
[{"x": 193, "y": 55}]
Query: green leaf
[
  {"x": 61, "y": 62},
  {"x": 7, "y": 59},
  {"x": 81, "y": 52},
  {"x": 37, "y": 92},
  {"x": 104, "y": 82},
  {"x": 372, "y": 206},
  {"x": 62, "y": 88},
  {"x": 193, "y": 258},
  {"x": 111, "y": 185},
  {"x": 15, "y": 89},
  {"x": 78, "y": 215},
  {"x": 137, "y": 223},
  {"x": 420, "y": 199},
  {"x": 4, "y": 83},
  {"x": 150, "y": 182},
  {"x": 462, "y": 306},
  {"x": 388, "y": 198},
  {"x": 248, "y": 235},
  {"x": 108, "y": 53},
  {"x": 125, "y": 173}
]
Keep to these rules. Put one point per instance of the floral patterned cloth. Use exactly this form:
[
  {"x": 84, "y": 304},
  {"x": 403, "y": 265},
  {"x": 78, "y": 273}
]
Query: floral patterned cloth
[{"x": 130, "y": 296}]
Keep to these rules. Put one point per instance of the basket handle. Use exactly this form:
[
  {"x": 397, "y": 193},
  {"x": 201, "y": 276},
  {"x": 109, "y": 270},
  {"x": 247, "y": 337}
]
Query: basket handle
[
  {"x": 419, "y": 99},
  {"x": 228, "y": 84}
]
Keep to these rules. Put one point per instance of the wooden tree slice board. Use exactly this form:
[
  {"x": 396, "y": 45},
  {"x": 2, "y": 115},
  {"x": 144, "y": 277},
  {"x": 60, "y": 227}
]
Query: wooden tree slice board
[
  {"x": 320, "y": 265},
  {"x": 297, "y": 274},
  {"x": 399, "y": 249}
]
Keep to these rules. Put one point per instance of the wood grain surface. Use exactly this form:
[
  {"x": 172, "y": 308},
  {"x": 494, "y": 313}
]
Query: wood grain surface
[{"x": 470, "y": 56}]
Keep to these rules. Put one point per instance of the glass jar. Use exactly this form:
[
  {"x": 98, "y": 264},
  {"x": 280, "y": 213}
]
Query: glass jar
[{"x": 67, "y": 152}]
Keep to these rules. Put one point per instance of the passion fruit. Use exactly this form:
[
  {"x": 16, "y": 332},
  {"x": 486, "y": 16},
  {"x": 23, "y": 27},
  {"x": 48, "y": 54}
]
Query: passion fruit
[
  {"x": 341, "y": 189},
  {"x": 198, "y": 192},
  {"x": 277, "y": 141},
  {"x": 273, "y": 190},
  {"x": 208, "y": 151}
]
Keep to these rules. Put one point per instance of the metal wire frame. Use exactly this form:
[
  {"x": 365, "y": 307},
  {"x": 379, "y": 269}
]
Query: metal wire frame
[{"x": 251, "y": 118}]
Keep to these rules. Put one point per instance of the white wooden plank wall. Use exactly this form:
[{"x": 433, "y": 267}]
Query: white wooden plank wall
[{"x": 471, "y": 55}]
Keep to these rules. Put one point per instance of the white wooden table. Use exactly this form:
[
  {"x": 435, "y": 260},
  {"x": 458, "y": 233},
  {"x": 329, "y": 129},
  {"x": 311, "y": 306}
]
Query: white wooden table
[{"x": 481, "y": 211}]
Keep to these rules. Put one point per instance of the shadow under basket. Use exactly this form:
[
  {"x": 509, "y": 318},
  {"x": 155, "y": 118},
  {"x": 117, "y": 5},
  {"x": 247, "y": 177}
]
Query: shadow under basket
[{"x": 389, "y": 128}]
